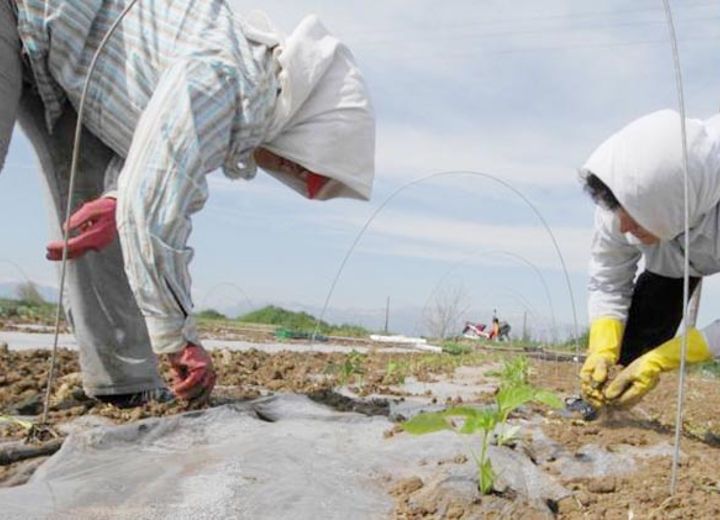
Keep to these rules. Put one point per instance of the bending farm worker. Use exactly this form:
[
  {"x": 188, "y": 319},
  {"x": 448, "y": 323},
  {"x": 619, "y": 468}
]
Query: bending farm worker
[
  {"x": 636, "y": 180},
  {"x": 181, "y": 89}
]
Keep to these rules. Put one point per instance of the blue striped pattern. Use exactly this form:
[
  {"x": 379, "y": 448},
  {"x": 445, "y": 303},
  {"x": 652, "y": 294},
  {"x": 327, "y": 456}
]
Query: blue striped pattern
[{"x": 177, "y": 92}]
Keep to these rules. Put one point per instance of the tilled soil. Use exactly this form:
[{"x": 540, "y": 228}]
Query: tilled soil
[
  {"x": 246, "y": 375},
  {"x": 241, "y": 375},
  {"x": 645, "y": 492}
]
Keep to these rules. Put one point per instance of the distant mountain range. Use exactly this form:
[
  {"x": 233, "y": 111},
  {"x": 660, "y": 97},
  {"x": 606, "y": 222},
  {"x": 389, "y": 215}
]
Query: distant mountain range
[
  {"x": 10, "y": 290},
  {"x": 405, "y": 320}
]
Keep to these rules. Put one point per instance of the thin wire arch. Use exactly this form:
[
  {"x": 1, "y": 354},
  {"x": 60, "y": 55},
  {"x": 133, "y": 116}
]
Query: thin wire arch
[
  {"x": 686, "y": 256},
  {"x": 68, "y": 208},
  {"x": 203, "y": 301},
  {"x": 17, "y": 267},
  {"x": 436, "y": 175}
]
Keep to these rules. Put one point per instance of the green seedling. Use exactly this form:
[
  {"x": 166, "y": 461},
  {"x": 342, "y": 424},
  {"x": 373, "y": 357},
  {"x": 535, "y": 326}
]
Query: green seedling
[
  {"x": 472, "y": 420},
  {"x": 515, "y": 371},
  {"x": 395, "y": 372},
  {"x": 352, "y": 366},
  {"x": 510, "y": 398},
  {"x": 514, "y": 392},
  {"x": 456, "y": 349}
]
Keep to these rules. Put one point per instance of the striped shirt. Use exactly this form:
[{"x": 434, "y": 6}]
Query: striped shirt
[
  {"x": 178, "y": 91},
  {"x": 153, "y": 41}
]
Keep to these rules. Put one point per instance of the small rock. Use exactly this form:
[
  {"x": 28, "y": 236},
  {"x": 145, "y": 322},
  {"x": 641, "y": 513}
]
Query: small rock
[
  {"x": 226, "y": 357},
  {"x": 392, "y": 431},
  {"x": 455, "y": 511},
  {"x": 407, "y": 486},
  {"x": 568, "y": 505},
  {"x": 69, "y": 393},
  {"x": 30, "y": 405},
  {"x": 584, "y": 498},
  {"x": 418, "y": 512},
  {"x": 275, "y": 384},
  {"x": 606, "y": 485},
  {"x": 136, "y": 414}
]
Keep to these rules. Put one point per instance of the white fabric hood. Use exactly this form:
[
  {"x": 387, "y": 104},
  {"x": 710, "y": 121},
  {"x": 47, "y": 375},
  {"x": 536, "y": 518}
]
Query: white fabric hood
[
  {"x": 642, "y": 165},
  {"x": 323, "y": 119}
]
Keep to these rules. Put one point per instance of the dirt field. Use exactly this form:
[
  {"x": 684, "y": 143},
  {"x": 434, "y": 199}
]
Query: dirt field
[{"x": 643, "y": 493}]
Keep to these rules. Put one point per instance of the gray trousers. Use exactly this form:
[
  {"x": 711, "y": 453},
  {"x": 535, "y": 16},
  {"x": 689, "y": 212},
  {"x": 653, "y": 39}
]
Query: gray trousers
[{"x": 115, "y": 353}]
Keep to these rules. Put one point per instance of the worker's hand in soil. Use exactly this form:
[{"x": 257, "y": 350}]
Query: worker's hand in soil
[
  {"x": 193, "y": 373},
  {"x": 603, "y": 353},
  {"x": 593, "y": 376},
  {"x": 92, "y": 228},
  {"x": 643, "y": 374}
]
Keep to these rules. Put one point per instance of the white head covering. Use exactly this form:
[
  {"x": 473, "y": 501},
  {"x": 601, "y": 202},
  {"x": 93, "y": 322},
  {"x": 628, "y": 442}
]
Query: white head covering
[
  {"x": 642, "y": 165},
  {"x": 323, "y": 118}
]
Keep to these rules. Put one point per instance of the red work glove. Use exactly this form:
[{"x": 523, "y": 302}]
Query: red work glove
[
  {"x": 193, "y": 373},
  {"x": 95, "y": 221},
  {"x": 314, "y": 184}
]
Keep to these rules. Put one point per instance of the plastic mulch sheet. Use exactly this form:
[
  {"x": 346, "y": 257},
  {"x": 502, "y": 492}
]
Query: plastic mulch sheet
[{"x": 278, "y": 457}]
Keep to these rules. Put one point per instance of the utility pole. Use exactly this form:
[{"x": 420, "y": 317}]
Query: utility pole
[
  {"x": 387, "y": 314},
  {"x": 524, "y": 332}
]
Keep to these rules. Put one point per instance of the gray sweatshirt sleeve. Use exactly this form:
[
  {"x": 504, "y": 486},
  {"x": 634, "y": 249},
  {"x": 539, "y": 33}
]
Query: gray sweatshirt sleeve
[{"x": 613, "y": 264}]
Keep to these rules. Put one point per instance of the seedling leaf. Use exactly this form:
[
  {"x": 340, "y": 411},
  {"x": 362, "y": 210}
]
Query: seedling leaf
[
  {"x": 461, "y": 411},
  {"x": 548, "y": 398},
  {"x": 512, "y": 397},
  {"x": 487, "y": 419},
  {"x": 470, "y": 426},
  {"x": 476, "y": 419},
  {"x": 428, "y": 422}
]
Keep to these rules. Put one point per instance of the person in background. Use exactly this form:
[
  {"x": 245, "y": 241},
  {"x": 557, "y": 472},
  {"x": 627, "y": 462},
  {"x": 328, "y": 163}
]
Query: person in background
[
  {"x": 181, "y": 89},
  {"x": 636, "y": 179},
  {"x": 494, "y": 328}
]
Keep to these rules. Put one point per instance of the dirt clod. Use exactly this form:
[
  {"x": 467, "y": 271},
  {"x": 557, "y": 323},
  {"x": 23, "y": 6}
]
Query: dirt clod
[
  {"x": 584, "y": 498},
  {"x": 407, "y": 486},
  {"x": 455, "y": 511}
]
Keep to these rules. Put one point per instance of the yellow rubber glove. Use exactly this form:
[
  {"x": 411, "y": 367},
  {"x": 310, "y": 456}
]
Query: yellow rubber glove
[
  {"x": 603, "y": 352},
  {"x": 641, "y": 376}
]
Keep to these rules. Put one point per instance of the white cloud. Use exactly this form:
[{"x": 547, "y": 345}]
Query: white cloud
[
  {"x": 406, "y": 152},
  {"x": 449, "y": 239}
]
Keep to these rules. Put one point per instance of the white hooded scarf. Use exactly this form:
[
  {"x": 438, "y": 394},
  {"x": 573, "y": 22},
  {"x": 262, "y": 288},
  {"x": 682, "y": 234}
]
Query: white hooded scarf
[
  {"x": 323, "y": 119},
  {"x": 642, "y": 164}
]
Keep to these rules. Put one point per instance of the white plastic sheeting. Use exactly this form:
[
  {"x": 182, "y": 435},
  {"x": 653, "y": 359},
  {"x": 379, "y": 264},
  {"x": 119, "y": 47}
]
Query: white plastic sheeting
[
  {"x": 278, "y": 457},
  {"x": 24, "y": 340}
]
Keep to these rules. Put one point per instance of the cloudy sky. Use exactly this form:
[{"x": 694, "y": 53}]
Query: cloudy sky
[{"x": 521, "y": 92}]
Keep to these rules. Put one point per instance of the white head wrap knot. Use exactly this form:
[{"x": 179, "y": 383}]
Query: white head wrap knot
[{"x": 323, "y": 118}]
